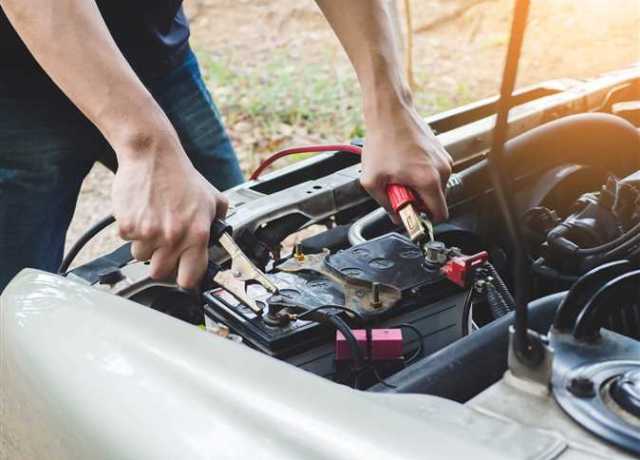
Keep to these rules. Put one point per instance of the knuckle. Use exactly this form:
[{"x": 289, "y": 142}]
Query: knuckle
[
  {"x": 188, "y": 279},
  {"x": 148, "y": 231},
  {"x": 222, "y": 201},
  {"x": 188, "y": 282},
  {"x": 431, "y": 181},
  {"x": 445, "y": 170},
  {"x": 368, "y": 182},
  {"x": 172, "y": 234},
  {"x": 200, "y": 235},
  {"x": 125, "y": 228},
  {"x": 160, "y": 272},
  {"x": 137, "y": 253}
]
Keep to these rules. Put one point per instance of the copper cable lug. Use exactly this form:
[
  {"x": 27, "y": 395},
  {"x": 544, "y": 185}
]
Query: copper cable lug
[
  {"x": 429, "y": 226},
  {"x": 242, "y": 264},
  {"x": 412, "y": 223}
]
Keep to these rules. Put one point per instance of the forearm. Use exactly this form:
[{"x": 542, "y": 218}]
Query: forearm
[
  {"x": 367, "y": 32},
  {"x": 399, "y": 146},
  {"x": 71, "y": 42}
]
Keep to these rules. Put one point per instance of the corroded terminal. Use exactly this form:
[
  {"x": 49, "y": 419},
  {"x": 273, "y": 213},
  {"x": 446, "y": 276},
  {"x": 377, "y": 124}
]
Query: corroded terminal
[{"x": 436, "y": 252}]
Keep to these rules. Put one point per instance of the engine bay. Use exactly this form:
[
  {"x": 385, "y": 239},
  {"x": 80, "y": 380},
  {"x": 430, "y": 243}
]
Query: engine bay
[
  {"x": 331, "y": 286},
  {"x": 344, "y": 259}
]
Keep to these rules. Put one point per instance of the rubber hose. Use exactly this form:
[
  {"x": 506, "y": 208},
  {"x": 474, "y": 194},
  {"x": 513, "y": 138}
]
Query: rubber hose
[{"x": 497, "y": 304}]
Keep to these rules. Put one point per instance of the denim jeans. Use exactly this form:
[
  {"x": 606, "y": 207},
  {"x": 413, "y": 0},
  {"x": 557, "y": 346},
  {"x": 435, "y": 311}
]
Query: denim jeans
[{"x": 47, "y": 147}]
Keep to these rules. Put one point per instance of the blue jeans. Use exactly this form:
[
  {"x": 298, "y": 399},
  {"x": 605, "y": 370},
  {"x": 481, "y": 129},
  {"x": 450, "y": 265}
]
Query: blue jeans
[{"x": 47, "y": 147}]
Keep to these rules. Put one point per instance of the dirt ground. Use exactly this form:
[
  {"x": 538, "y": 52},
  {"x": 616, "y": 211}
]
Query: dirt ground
[{"x": 454, "y": 63}]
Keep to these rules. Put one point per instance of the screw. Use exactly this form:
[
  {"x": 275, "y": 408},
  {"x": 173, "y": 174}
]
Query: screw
[
  {"x": 376, "y": 295},
  {"x": 480, "y": 285},
  {"x": 581, "y": 387}
]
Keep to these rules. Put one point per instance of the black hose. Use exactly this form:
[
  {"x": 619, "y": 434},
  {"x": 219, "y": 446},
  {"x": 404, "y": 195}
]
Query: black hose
[
  {"x": 627, "y": 245},
  {"x": 468, "y": 366},
  {"x": 633, "y": 255},
  {"x": 539, "y": 268},
  {"x": 572, "y": 249},
  {"x": 625, "y": 250},
  {"x": 82, "y": 242},
  {"x": 611, "y": 245}
]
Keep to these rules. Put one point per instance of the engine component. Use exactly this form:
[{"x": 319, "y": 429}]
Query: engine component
[
  {"x": 625, "y": 391},
  {"x": 602, "y": 227},
  {"x": 597, "y": 385},
  {"x": 593, "y": 372}
]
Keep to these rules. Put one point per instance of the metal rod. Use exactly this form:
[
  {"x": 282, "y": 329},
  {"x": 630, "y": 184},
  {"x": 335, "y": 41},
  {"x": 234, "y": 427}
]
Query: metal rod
[{"x": 503, "y": 186}]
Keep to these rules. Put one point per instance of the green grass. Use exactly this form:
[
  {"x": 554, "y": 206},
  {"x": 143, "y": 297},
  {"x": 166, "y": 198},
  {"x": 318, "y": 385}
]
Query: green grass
[
  {"x": 285, "y": 96},
  {"x": 282, "y": 91}
]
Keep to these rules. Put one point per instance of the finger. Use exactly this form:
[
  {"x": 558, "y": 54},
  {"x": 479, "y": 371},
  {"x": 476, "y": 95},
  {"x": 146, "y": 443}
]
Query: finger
[
  {"x": 449, "y": 158},
  {"x": 164, "y": 262},
  {"x": 432, "y": 196},
  {"x": 222, "y": 206},
  {"x": 445, "y": 172},
  {"x": 383, "y": 199},
  {"x": 126, "y": 229},
  {"x": 192, "y": 266},
  {"x": 142, "y": 250},
  {"x": 378, "y": 191}
]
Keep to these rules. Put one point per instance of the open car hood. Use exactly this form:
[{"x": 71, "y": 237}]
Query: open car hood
[{"x": 87, "y": 374}]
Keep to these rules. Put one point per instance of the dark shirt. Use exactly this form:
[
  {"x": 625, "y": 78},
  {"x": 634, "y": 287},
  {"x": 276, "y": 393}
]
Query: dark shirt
[{"x": 152, "y": 34}]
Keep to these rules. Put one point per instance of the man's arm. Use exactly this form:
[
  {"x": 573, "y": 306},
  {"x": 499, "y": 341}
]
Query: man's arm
[
  {"x": 160, "y": 201},
  {"x": 399, "y": 147}
]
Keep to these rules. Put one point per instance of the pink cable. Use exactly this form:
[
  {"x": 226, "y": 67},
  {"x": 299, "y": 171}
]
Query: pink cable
[{"x": 304, "y": 149}]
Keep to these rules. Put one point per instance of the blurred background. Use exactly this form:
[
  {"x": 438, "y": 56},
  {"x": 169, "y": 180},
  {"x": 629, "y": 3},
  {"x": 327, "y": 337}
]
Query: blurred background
[{"x": 280, "y": 78}]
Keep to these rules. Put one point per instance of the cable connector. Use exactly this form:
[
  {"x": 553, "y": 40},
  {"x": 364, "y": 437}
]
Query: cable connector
[
  {"x": 382, "y": 345},
  {"x": 459, "y": 268},
  {"x": 412, "y": 223},
  {"x": 403, "y": 202}
]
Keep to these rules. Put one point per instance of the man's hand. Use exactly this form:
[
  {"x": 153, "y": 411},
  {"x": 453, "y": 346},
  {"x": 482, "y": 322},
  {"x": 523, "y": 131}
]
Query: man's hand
[
  {"x": 159, "y": 200},
  {"x": 401, "y": 149},
  {"x": 165, "y": 207}
]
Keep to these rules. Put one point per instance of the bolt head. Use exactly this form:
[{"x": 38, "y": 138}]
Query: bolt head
[
  {"x": 110, "y": 277},
  {"x": 581, "y": 387}
]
